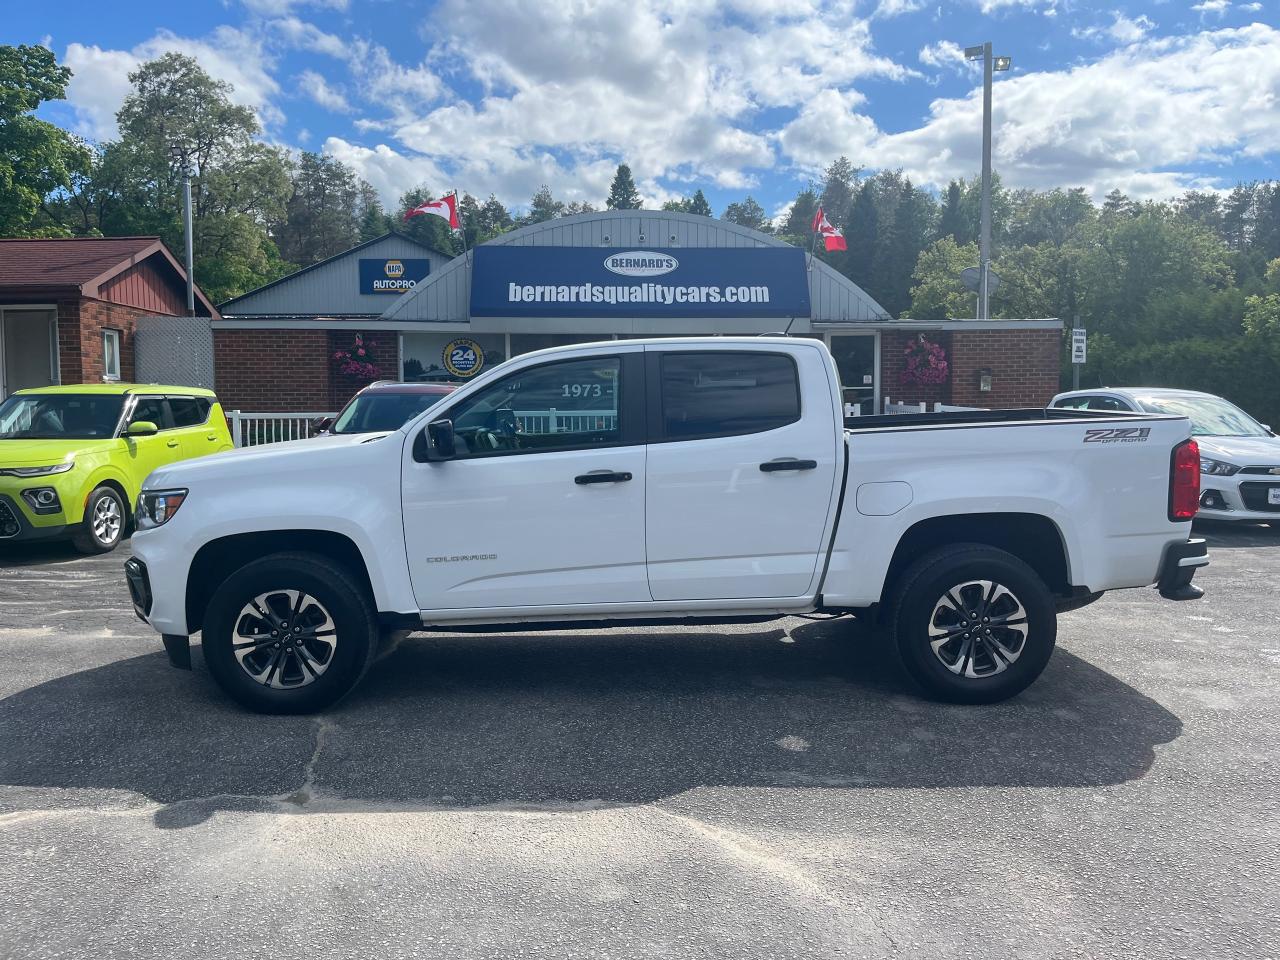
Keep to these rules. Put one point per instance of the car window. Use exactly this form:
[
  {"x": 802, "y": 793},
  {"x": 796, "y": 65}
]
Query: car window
[
  {"x": 376, "y": 412},
  {"x": 720, "y": 394},
  {"x": 567, "y": 405},
  {"x": 1109, "y": 403},
  {"x": 1209, "y": 416},
  {"x": 152, "y": 410},
  {"x": 189, "y": 411},
  {"x": 61, "y": 416},
  {"x": 1073, "y": 403}
]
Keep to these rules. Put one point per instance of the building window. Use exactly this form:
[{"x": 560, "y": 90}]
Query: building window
[{"x": 110, "y": 354}]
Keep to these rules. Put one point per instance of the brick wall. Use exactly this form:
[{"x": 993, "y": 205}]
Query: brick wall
[
  {"x": 80, "y": 326},
  {"x": 1023, "y": 363},
  {"x": 286, "y": 371}
]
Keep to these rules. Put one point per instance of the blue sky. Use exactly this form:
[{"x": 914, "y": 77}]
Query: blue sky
[{"x": 734, "y": 97}]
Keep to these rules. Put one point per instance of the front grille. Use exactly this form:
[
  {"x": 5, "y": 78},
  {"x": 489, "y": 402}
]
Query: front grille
[
  {"x": 1254, "y": 495},
  {"x": 9, "y": 526},
  {"x": 1274, "y": 470}
]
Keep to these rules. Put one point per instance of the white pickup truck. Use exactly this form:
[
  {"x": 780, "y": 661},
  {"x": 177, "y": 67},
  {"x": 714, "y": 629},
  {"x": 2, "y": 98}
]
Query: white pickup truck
[{"x": 696, "y": 480}]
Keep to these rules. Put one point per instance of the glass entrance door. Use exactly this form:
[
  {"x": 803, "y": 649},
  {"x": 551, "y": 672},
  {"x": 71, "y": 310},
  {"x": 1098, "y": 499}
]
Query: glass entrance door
[
  {"x": 857, "y": 357},
  {"x": 28, "y": 357}
]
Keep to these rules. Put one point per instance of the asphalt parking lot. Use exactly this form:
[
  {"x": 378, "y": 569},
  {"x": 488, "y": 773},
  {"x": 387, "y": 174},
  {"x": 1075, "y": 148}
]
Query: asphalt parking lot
[{"x": 764, "y": 791}]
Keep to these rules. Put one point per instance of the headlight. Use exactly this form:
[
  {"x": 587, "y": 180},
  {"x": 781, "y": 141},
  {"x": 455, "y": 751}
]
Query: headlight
[
  {"x": 157, "y": 507},
  {"x": 37, "y": 471},
  {"x": 1217, "y": 468}
]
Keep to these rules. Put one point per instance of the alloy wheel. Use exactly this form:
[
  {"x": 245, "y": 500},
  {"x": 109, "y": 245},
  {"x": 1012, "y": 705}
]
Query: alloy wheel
[
  {"x": 284, "y": 639},
  {"x": 107, "y": 520},
  {"x": 978, "y": 628}
]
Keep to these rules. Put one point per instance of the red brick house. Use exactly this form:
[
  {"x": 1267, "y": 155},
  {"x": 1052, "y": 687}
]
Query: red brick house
[{"x": 69, "y": 307}]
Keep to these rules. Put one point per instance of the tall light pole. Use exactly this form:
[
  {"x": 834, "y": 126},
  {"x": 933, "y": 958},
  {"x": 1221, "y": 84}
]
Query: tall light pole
[
  {"x": 989, "y": 63},
  {"x": 179, "y": 153}
]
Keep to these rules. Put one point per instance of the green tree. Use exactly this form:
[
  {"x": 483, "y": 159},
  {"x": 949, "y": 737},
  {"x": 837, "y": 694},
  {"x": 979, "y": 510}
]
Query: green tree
[
  {"x": 322, "y": 216},
  {"x": 839, "y": 185},
  {"x": 697, "y": 204},
  {"x": 951, "y": 220},
  {"x": 374, "y": 221},
  {"x": 798, "y": 226},
  {"x": 748, "y": 213},
  {"x": 178, "y": 116},
  {"x": 36, "y": 158},
  {"x": 622, "y": 192},
  {"x": 938, "y": 293},
  {"x": 542, "y": 207}
]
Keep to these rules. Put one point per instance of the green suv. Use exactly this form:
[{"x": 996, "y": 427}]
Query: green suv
[{"x": 73, "y": 458}]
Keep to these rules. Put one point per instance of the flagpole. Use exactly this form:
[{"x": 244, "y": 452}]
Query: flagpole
[{"x": 462, "y": 226}]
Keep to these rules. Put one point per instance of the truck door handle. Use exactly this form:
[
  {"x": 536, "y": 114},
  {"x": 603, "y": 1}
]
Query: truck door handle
[
  {"x": 788, "y": 463},
  {"x": 602, "y": 476},
  {"x": 172, "y": 443}
]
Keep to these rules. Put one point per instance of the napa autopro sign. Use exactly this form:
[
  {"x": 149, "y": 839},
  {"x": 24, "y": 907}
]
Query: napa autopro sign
[
  {"x": 514, "y": 281},
  {"x": 394, "y": 275}
]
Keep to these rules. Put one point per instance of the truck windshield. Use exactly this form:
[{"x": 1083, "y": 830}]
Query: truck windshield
[
  {"x": 1209, "y": 416},
  {"x": 62, "y": 416},
  {"x": 376, "y": 412}
]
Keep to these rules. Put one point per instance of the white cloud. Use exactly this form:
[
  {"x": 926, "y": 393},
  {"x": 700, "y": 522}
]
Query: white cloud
[
  {"x": 1251, "y": 7},
  {"x": 895, "y": 8},
  {"x": 945, "y": 54},
  {"x": 316, "y": 87},
  {"x": 279, "y": 7},
  {"x": 1123, "y": 29},
  {"x": 1131, "y": 119},
  {"x": 1215, "y": 7},
  {"x": 100, "y": 78}
]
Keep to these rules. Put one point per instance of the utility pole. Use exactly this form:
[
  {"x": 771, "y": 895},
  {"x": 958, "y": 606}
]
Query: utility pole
[
  {"x": 989, "y": 63},
  {"x": 179, "y": 153},
  {"x": 186, "y": 215}
]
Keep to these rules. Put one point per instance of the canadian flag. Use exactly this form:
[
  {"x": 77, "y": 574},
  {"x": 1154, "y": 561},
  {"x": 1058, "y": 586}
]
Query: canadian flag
[
  {"x": 832, "y": 237},
  {"x": 446, "y": 207}
]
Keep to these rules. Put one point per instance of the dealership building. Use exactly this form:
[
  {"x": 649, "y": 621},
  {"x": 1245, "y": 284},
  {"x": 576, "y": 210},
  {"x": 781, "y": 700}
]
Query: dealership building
[{"x": 419, "y": 314}]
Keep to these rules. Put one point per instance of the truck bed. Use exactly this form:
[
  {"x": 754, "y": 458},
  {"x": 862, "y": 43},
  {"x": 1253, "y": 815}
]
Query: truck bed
[{"x": 974, "y": 418}]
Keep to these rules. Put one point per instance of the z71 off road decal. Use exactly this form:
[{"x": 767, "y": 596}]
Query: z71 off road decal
[{"x": 1117, "y": 435}]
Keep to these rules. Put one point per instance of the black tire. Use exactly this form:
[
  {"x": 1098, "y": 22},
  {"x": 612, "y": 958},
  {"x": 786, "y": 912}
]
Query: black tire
[
  {"x": 1006, "y": 650},
  {"x": 310, "y": 672},
  {"x": 105, "y": 523}
]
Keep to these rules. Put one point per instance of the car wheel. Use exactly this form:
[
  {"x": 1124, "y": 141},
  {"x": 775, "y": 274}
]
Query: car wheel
[
  {"x": 104, "y": 523},
  {"x": 290, "y": 633},
  {"x": 973, "y": 624}
]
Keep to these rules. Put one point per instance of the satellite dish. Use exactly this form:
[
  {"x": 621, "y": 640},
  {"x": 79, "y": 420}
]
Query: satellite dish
[{"x": 972, "y": 279}]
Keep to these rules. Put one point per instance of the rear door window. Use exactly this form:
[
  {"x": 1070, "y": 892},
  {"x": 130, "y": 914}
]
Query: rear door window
[
  {"x": 189, "y": 411},
  {"x": 725, "y": 394}
]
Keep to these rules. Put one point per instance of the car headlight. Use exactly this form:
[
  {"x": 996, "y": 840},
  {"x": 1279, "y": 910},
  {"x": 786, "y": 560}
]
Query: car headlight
[
  {"x": 1217, "y": 468},
  {"x": 37, "y": 471},
  {"x": 157, "y": 507}
]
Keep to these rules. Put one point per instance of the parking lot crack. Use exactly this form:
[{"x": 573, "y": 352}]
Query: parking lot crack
[
  {"x": 753, "y": 854},
  {"x": 308, "y": 792}
]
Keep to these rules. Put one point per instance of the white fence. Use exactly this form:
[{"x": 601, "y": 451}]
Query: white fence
[
  {"x": 251, "y": 429},
  {"x": 890, "y": 407},
  {"x": 570, "y": 421}
]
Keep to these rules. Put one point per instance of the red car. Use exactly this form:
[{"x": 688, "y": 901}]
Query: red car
[{"x": 385, "y": 405}]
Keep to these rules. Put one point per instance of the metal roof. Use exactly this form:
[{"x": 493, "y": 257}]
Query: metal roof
[
  {"x": 331, "y": 288},
  {"x": 444, "y": 296}
]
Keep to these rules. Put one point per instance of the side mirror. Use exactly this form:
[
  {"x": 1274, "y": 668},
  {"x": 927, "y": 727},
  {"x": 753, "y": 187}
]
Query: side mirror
[
  {"x": 1267, "y": 427},
  {"x": 142, "y": 428},
  {"x": 435, "y": 443},
  {"x": 321, "y": 424}
]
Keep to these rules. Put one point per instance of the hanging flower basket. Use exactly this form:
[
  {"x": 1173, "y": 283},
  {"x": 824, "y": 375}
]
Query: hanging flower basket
[
  {"x": 358, "y": 360},
  {"x": 926, "y": 362}
]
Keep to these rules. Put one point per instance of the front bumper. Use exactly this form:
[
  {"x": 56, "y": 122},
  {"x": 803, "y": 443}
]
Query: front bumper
[
  {"x": 1239, "y": 497},
  {"x": 17, "y": 526},
  {"x": 1181, "y": 560}
]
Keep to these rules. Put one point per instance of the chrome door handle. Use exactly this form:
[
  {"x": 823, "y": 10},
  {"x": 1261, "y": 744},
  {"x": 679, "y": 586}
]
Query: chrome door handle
[
  {"x": 788, "y": 463},
  {"x": 602, "y": 476}
]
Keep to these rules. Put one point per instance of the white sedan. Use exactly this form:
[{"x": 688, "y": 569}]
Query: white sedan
[{"x": 1239, "y": 457}]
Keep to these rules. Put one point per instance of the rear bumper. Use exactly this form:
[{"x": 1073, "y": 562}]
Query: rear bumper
[{"x": 1181, "y": 560}]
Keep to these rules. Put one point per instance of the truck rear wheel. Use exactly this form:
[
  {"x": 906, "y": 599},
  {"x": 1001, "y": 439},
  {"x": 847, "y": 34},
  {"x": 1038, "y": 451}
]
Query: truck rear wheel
[
  {"x": 290, "y": 633},
  {"x": 973, "y": 624}
]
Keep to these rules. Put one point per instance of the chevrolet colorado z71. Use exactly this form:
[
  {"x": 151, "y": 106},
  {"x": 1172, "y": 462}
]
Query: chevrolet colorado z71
[{"x": 706, "y": 479}]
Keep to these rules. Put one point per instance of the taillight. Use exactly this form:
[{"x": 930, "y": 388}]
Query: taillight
[{"x": 1184, "y": 481}]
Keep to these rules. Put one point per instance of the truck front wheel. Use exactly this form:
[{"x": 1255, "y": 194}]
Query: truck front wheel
[
  {"x": 290, "y": 633},
  {"x": 973, "y": 624}
]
